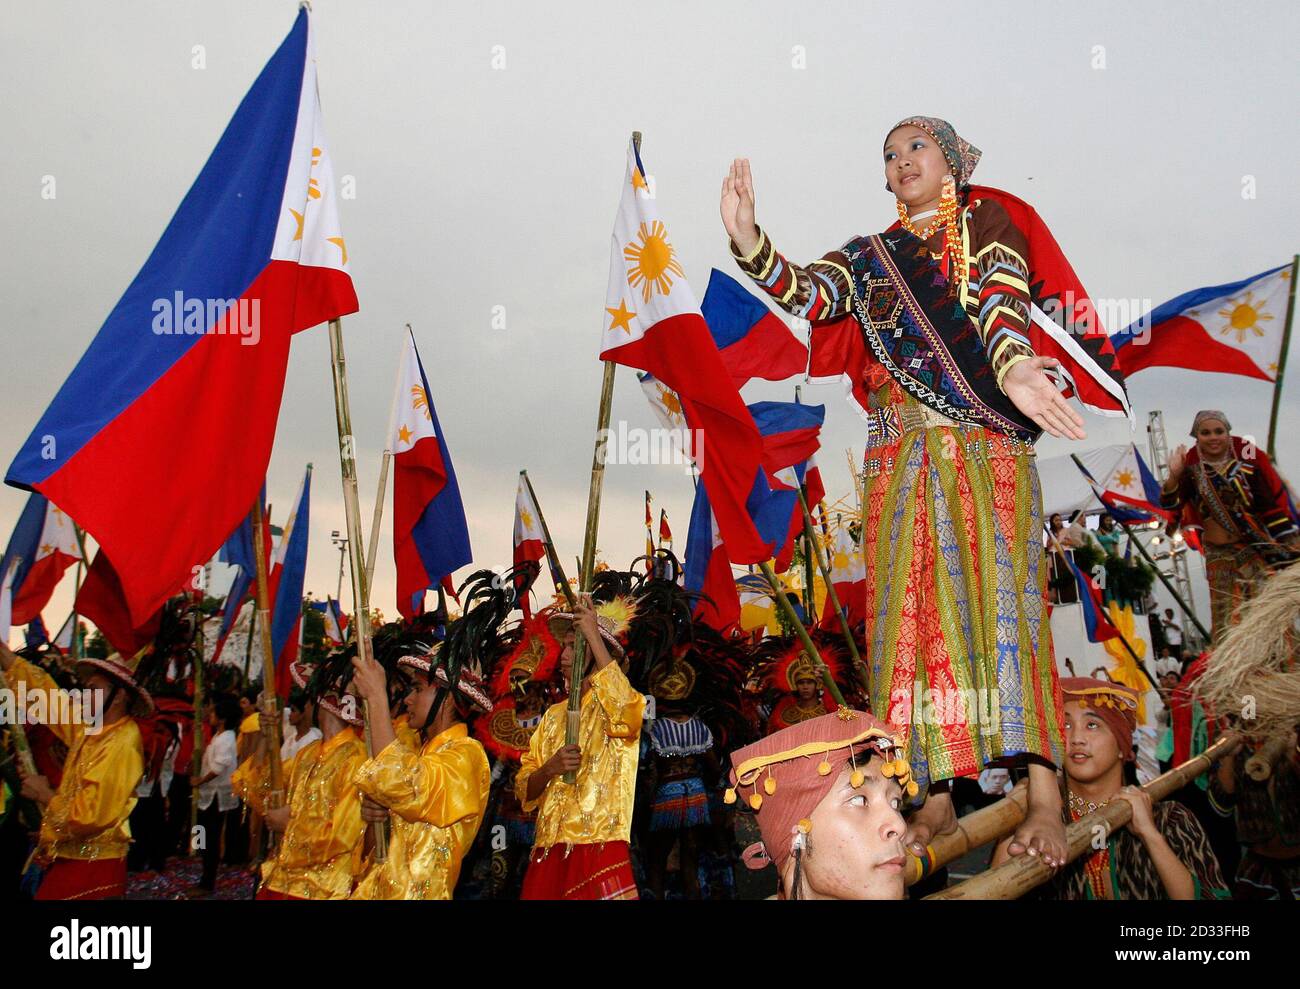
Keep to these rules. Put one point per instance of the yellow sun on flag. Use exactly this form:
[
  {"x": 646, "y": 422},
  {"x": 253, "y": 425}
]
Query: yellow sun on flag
[
  {"x": 840, "y": 561},
  {"x": 420, "y": 401},
  {"x": 671, "y": 402},
  {"x": 1244, "y": 316},
  {"x": 1125, "y": 479},
  {"x": 652, "y": 262},
  {"x": 526, "y": 518}
]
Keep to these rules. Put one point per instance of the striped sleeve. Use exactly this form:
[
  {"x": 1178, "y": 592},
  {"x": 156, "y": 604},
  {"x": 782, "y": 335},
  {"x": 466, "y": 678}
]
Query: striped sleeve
[
  {"x": 997, "y": 295},
  {"x": 819, "y": 293}
]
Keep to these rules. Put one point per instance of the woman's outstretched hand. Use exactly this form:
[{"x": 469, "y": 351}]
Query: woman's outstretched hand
[
  {"x": 738, "y": 206},
  {"x": 1032, "y": 392}
]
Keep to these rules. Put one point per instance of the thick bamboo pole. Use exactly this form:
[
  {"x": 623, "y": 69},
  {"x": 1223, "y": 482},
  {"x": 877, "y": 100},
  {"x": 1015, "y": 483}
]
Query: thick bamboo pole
[
  {"x": 352, "y": 512},
  {"x": 1018, "y": 876},
  {"x": 975, "y": 829},
  {"x": 270, "y": 707},
  {"x": 372, "y": 551}
]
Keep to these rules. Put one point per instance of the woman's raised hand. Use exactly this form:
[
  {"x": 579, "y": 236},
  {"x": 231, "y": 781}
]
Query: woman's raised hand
[{"x": 737, "y": 206}]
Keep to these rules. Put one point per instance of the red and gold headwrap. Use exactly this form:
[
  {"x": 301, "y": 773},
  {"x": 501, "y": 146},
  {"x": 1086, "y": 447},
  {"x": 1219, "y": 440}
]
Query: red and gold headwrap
[
  {"x": 1114, "y": 703},
  {"x": 784, "y": 776},
  {"x": 959, "y": 153}
]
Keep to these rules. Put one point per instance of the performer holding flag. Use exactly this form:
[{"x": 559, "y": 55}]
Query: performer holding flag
[{"x": 947, "y": 354}]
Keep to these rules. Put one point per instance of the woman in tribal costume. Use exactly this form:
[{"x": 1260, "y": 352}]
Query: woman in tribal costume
[
  {"x": 1231, "y": 489},
  {"x": 942, "y": 328}
]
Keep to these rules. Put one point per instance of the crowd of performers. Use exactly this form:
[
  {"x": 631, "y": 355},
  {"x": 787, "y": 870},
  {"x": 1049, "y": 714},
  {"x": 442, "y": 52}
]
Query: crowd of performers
[
  {"x": 694, "y": 757},
  {"x": 705, "y": 767}
]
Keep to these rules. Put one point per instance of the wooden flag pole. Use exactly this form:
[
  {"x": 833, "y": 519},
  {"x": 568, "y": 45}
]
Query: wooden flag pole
[
  {"x": 196, "y": 757},
  {"x": 834, "y": 598},
  {"x": 588, "y": 562},
  {"x": 270, "y": 707},
  {"x": 808, "y": 647},
  {"x": 372, "y": 551},
  {"x": 352, "y": 511},
  {"x": 1022, "y": 873},
  {"x": 1281, "y": 360},
  {"x": 552, "y": 557}
]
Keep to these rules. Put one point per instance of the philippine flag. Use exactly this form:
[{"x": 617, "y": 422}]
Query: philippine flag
[
  {"x": 1128, "y": 490},
  {"x": 753, "y": 340},
  {"x": 237, "y": 551},
  {"x": 707, "y": 569},
  {"x": 200, "y": 339},
  {"x": 530, "y": 541},
  {"x": 42, "y": 547},
  {"x": 667, "y": 408},
  {"x": 1095, "y": 620},
  {"x": 334, "y": 621},
  {"x": 430, "y": 537},
  {"x": 791, "y": 435},
  {"x": 849, "y": 578},
  {"x": 653, "y": 323},
  {"x": 1232, "y": 329},
  {"x": 288, "y": 573}
]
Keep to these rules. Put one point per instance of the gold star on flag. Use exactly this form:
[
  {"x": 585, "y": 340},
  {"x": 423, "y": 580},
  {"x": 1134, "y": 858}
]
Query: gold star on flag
[
  {"x": 404, "y": 435},
  {"x": 638, "y": 180},
  {"x": 297, "y": 216},
  {"x": 622, "y": 317}
]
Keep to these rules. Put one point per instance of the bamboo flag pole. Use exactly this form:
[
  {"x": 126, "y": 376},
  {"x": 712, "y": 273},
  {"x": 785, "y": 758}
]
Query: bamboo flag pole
[
  {"x": 808, "y": 647},
  {"x": 834, "y": 598},
  {"x": 77, "y": 578},
  {"x": 974, "y": 830},
  {"x": 588, "y": 563},
  {"x": 1281, "y": 360},
  {"x": 552, "y": 557},
  {"x": 352, "y": 512},
  {"x": 22, "y": 750},
  {"x": 1187, "y": 608},
  {"x": 269, "y": 702},
  {"x": 1018, "y": 876},
  {"x": 372, "y": 551}
]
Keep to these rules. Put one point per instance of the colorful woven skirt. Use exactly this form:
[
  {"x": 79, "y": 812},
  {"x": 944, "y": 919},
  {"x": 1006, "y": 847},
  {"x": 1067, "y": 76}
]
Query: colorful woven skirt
[
  {"x": 679, "y": 804},
  {"x": 580, "y": 872},
  {"x": 75, "y": 879},
  {"x": 957, "y": 640},
  {"x": 1234, "y": 574}
]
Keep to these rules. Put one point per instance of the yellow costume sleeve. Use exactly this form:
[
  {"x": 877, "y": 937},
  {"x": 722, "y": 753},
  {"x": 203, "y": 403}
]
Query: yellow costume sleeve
[
  {"x": 112, "y": 772},
  {"x": 325, "y": 838},
  {"x": 530, "y": 761},
  {"x": 624, "y": 706},
  {"x": 36, "y": 678},
  {"x": 438, "y": 788}
]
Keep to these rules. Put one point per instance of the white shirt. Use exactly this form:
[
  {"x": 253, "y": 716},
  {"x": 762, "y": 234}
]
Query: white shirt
[
  {"x": 1173, "y": 632},
  {"x": 219, "y": 757},
  {"x": 293, "y": 745}
]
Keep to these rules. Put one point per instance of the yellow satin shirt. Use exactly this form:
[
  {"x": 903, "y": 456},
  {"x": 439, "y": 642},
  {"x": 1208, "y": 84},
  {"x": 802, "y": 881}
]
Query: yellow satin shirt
[
  {"x": 598, "y": 806},
  {"x": 407, "y": 735},
  {"x": 88, "y": 817},
  {"x": 319, "y": 853},
  {"x": 437, "y": 800}
]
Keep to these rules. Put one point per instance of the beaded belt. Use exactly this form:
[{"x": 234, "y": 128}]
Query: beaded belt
[{"x": 887, "y": 425}]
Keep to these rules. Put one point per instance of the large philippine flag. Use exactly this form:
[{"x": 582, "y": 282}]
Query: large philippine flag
[
  {"x": 1233, "y": 329},
  {"x": 200, "y": 341},
  {"x": 430, "y": 537},
  {"x": 653, "y": 323},
  {"x": 42, "y": 547}
]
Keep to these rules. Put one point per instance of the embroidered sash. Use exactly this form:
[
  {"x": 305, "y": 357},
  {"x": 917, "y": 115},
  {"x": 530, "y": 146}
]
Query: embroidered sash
[{"x": 925, "y": 340}]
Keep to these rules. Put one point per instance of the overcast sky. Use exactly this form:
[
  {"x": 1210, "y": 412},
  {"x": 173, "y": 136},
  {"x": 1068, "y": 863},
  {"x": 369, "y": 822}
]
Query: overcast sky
[{"x": 1131, "y": 127}]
